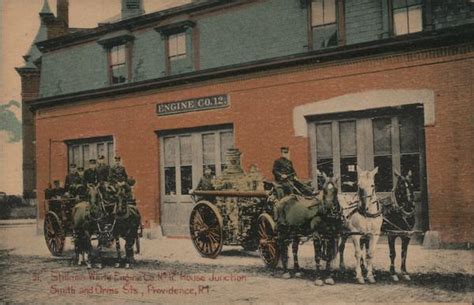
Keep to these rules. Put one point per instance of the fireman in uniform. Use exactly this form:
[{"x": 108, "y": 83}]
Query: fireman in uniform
[
  {"x": 285, "y": 175},
  {"x": 72, "y": 181}
]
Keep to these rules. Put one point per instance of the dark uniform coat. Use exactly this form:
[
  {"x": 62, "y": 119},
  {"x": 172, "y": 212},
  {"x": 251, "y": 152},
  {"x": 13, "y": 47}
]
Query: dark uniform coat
[
  {"x": 57, "y": 192},
  {"x": 71, "y": 180},
  {"x": 118, "y": 174},
  {"x": 284, "y": 166},
  {"x": 91, "y": 176},
  {"x": 103, "y": 173},
  {"x": 205, "y": 184}
]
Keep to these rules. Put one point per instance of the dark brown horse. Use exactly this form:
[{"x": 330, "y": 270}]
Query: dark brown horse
[
  {"x": 399, "y": 220},
  {"x": 318, "y": 218},
  {"x": 109, "y": 217}
]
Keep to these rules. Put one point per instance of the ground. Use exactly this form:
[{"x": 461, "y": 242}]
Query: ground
[{"x": 169, "y": 271}]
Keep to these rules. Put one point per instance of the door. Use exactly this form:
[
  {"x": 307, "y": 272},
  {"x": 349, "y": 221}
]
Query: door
[
  {"x": 391, "y": 141},
  {"x": 183, "y": 156}
]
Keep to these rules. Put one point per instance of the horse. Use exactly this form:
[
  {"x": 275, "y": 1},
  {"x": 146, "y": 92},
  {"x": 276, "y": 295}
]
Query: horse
[
  {"x": 127, "y": 226},
  {"x": 319, "y": 218},
  {"x": 364, "y": 219},
  {"x": 108, "y": 215},
  {"x": 399, "y": 220},
  {"x": 325, "y": 242},
  {"x": 84, "y": 226}
]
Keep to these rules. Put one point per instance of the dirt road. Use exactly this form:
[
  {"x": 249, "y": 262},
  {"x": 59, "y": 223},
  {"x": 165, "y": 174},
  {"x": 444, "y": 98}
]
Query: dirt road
[{"x": 169, "y": 271}]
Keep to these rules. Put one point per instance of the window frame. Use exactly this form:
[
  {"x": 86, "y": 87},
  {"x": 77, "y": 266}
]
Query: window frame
[
  {"x": 364, "y": 132},
  {"x": 91, "y": 144},
  {"x": 178, "y": 55},
  {"x": 188, "y": 28},
  {"x": 128, "y": 62},
  {"x": 339, "y": 22},
  {"x": 424, "y": 5},
  {"x": 197, "y": 166}
]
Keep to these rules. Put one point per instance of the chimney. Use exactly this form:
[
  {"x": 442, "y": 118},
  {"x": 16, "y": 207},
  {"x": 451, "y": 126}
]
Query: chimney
[
  {"x": 132, "y": 8},
  {"x": 63, "y": 11}
]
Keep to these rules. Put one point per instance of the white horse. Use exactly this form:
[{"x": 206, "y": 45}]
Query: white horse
[{"x": 363, "y": 219}]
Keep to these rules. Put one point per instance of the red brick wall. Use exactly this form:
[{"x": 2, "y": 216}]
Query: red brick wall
[{"x": 262, "y": 113}]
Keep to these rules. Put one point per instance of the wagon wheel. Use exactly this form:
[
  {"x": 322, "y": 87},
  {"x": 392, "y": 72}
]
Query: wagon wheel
[
  {"x": 54, "y": 234},
  {"x": 267, "y": 241},
  {"x": 205, "y": 226}
]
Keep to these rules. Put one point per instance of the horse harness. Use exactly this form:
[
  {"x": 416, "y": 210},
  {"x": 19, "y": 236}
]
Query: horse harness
[{"x": 358, "y": 208}]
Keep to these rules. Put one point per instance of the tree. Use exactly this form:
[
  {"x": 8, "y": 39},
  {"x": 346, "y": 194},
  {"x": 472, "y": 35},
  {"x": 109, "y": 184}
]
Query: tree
[{"x": 9, "y": 122}]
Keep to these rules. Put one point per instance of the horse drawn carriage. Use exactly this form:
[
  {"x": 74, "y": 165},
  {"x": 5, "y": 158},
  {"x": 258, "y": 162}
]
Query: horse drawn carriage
[
  {"x": 242, "y": 209},
  {"x": 105, "y": 213},
  {"x": 231, "y": 213}
]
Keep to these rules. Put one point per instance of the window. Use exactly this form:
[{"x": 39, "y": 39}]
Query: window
[
  {"x": 185, "y": 156},
  {"x": 324, "y": 23},
  {"x": 186, "y": 164},
  {"x": 407, "y": 16},
  {"x": 324, "y": 148},
  {"x": 81, "y": 151},
  {"x": 118, "y": 64},
  {"x": 170, "y": 167},
  {"x": 226, "y": 142},
  {"x": 409, "y": 148},
  {"x": 382, "y": 137},
  {"x": 177, "y": 46},
  {"x": 389, "y": 142},
  {"x": 209, "y": 152},
  {"x": 348, "y": 151}
]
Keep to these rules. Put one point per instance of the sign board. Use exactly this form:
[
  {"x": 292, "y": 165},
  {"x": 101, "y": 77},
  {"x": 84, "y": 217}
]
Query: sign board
[{"x": 195, "y": 104}]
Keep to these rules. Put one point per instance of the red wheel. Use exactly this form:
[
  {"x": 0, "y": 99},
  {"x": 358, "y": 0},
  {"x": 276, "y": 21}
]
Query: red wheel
[
  {"x": 267, "y": 241},
  {"x": 54, "y": 234},
  {"x": 205, "y": 226}
]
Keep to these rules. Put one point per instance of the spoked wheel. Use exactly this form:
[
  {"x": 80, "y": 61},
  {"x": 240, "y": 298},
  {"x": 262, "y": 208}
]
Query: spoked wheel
[
  {"x": 54, "y": 234},
  {"x": 205, "y": 226},
  {"x": 267, "y": 247}
]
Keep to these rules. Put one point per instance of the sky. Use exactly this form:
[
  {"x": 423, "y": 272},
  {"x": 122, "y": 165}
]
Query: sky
[{"x": 19, "y": 23}]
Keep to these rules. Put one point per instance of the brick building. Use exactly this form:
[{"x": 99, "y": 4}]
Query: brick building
[{"x": 342, "y": 83}]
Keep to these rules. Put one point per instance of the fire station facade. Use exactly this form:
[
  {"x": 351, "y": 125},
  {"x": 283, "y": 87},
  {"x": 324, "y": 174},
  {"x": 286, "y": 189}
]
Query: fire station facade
[{"x": 382, "y": 83}]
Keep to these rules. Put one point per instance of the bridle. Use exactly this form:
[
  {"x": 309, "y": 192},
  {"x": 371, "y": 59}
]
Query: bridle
[
  {"x": 409, "y": 200},
  {"x": 363, "y": 208},
  {"x": 333, "y": 210}
]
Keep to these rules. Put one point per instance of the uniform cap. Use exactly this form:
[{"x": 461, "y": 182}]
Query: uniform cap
[
  {"x": 284, "y": 149},
  {"x": 92, "y": 161}
]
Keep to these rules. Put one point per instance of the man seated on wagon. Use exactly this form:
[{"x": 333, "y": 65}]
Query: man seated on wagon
[
  {"x": 57, "y": 191},
  {"x": 90, "y": 175},
  {"x": 48, "y": 192},
  {"x": 103, "y": 170},
  {"x": 73, "y": 181},
  {"x": 119, "y": 178},
  {"x": 206, "y": 184},
  {"x": 286, "y": 177},
  {"x": 118, "y": 172}
]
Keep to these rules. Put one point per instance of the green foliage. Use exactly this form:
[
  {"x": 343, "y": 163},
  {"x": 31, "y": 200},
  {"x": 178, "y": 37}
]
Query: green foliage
[{"x": 9, "y": 122}]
